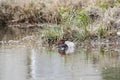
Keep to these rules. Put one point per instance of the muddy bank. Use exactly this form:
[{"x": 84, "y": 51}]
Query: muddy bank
[
  {"x": 47, "y": 36},
  {"x": 21, "y": 20}
]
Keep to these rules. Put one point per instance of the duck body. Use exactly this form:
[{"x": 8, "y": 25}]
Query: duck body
[
  {"x": 71, "y": 47},
  {"x": 118, "y": 33},
  {"x": 65, "y": 47}
]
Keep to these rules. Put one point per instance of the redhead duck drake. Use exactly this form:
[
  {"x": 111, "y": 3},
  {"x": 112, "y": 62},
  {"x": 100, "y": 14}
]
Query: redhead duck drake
[{"x": 65, "y": 47}]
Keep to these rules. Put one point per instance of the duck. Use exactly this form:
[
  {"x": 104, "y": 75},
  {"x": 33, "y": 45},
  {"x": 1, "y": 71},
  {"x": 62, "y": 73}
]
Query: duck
[{"x": 65, "y": 47}]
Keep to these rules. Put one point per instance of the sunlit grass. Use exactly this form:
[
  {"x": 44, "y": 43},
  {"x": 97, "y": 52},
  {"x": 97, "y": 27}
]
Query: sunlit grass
[{"x": 52, "y": 32}]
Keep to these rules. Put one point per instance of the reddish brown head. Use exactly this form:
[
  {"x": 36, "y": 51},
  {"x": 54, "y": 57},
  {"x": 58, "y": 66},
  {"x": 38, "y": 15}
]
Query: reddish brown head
[{"x": 61, "y": 41}]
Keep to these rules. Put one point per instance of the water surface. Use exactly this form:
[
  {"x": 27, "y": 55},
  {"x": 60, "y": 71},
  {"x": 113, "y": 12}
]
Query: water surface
[{"x": 25, "y": 63}]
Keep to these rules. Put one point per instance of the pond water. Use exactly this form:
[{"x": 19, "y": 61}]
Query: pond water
[{"x": 26, "y": 63}]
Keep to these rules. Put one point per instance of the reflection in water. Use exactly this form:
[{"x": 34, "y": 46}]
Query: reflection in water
[
  {"x": 2, "y": 31},
  {"x": 109, "y": 61},
  {"x": 52, "y": 66},
  {"x": 14, "y": 33},
  {"x": 43, "y": 64},
  {"x": 111, "y": 73},
  {"x": 14, "y": 64}
]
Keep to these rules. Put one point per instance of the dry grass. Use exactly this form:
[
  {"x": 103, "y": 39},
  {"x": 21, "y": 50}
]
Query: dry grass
[{"x": 78, "y": 19}]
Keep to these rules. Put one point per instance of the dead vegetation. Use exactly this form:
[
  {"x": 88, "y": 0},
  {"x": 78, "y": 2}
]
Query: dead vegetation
[{"x": 76, "y": 20}]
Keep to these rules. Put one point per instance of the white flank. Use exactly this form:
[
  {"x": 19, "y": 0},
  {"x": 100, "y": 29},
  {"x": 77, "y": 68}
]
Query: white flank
[
  {"x": 71, "y": 47},
  {"x": 118, "y": 33}
]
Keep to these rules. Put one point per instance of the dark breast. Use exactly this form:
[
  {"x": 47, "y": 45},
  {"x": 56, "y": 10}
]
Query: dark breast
[{"x": 62, "y": 48}]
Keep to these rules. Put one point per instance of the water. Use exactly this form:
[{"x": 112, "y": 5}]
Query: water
[{"x": 26, "y": 63}]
